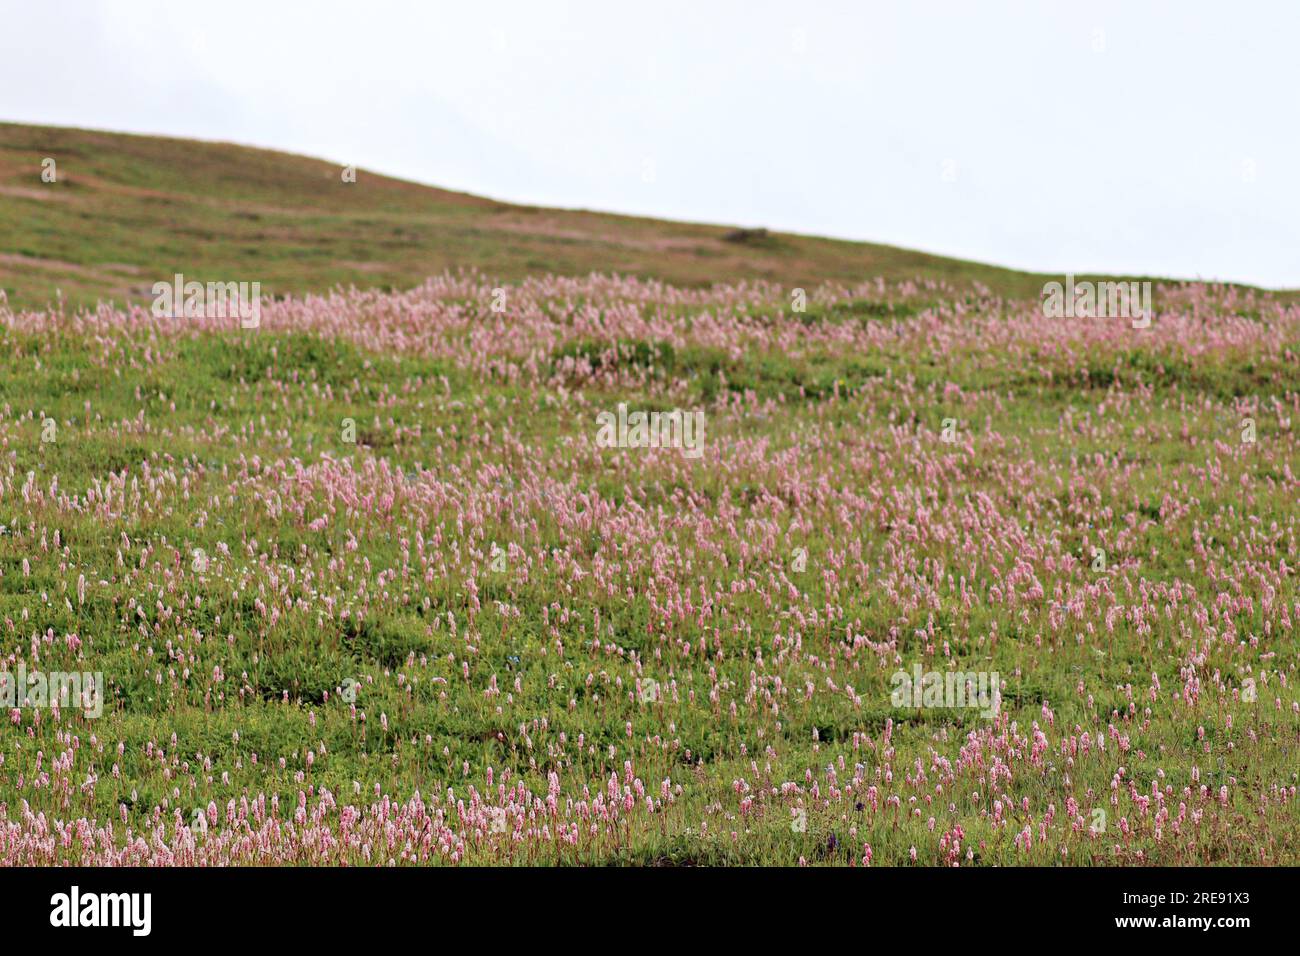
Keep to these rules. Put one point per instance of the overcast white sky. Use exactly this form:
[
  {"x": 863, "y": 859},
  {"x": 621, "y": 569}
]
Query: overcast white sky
[{"x": 1132, "y": 137}]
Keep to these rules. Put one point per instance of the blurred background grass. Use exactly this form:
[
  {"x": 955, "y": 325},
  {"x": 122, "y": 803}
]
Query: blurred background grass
[{"x": 127, "y": 211}]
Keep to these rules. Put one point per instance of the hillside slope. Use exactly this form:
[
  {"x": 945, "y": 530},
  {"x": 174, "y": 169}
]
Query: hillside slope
[{"x": 126, "y": 211}]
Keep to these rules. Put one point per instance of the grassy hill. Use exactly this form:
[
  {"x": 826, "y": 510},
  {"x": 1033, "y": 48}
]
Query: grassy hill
[
  {"x": 377, "y": 582},
  {"x": 127, "y": 211}
]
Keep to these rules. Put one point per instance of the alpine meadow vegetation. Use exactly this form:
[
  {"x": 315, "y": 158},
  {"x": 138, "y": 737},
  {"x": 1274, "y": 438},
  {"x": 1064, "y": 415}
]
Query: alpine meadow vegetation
[{"x": 365, "y": 587}]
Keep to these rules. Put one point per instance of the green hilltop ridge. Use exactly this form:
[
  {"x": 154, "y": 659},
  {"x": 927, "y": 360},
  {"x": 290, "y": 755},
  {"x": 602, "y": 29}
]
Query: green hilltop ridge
[{"x": 126, "y": 211}]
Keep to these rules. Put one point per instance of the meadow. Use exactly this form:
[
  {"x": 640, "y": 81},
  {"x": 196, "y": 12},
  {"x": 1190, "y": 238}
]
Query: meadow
[{"x": 365, "y": 589}]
